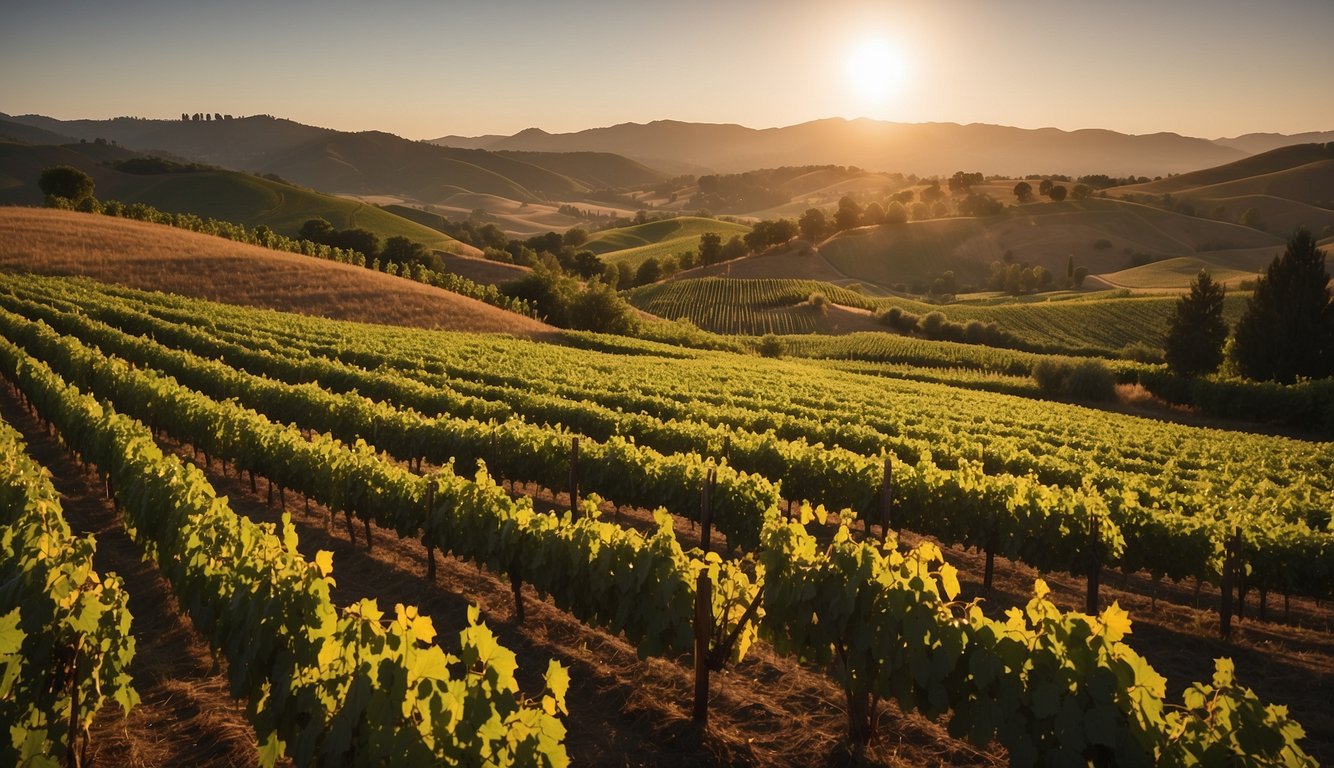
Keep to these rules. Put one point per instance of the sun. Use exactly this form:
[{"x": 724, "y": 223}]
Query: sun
[{"x": 876, "y": 71}]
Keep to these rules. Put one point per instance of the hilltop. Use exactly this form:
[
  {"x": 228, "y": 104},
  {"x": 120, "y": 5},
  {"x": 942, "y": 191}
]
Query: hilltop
[
  {"x": 233, "y": 196},
  {"x": 156, "y": 257}
]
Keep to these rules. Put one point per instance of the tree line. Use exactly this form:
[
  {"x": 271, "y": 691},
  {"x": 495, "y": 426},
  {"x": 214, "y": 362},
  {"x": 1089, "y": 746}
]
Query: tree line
[{"x": 1285, "y": 334}]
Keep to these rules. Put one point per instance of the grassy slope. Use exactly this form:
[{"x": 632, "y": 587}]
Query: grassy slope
[
  {"x": 158, "y": 257},
  {"x": 1104, "y": 322},
  {"x": 657, "y": 239},
  {"x": 227, "y": 195},
  {"x": 1048, "y": 234},
  {"x": 253, "y": 201}
]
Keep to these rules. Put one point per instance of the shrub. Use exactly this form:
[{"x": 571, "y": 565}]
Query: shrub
[
  {"x": 819, "y": 301},
  {"x": 772, "y": 346},
  {"x": 932, "y": 324},
  {"x": 1049, "y": 375},
  {"x": 1089, "y": 380},
  {"x": 1141, "y": 353}
]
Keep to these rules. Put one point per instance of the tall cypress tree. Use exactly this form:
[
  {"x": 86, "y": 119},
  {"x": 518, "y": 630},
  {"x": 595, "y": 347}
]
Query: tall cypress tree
[
  {"x": 1195, "y": 340},
  {"x": 1287, "y": 330}
]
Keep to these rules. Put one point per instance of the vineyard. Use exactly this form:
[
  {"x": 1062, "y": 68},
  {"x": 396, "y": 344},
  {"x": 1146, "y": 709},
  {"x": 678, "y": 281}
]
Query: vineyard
[
  {"x": 1101, "y": 324},
  {"x": 812, "y": 481}
]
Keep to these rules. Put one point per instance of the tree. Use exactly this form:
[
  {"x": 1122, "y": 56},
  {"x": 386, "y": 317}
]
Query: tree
[
  {"x": 361, "y": 240},
  {"x": 1024, "y": 192},
  {"x": 812, "y": 224},
  {"x": 1081, "y": 192},
  {"x": 1287, "y": 329},
  {"x": 66, "y": 181},
  {"x": 599, "y": 309},
  {"x": 1044, "y": 187},
  {"x": 316, "y": 230},
  {"x": 1058, "y": 192},
  {"x": 734, "y": 248},
  {"x": 897, "y": 214},
  {"x": 575, "y": 237},
  {"x": 874, "y": 215},
  {"x": 849, "y": 214},
  {"x": 710, "y": 248},
  {"x": 403, "y": 251},
  {"x": 588, "y": 264},
  {"x": 1195, "y": 339},
  {"x": 649, "y": 272},
  {"x": 961, "y": 183}
]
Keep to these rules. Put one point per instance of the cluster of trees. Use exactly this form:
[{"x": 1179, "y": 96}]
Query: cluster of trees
[
  {"x": 1023, "y": 191},
  {"x": 1285, "y": 334},
  {"x": 934, "y": 325},
  {"x": 564, "y": 301},
  {"x": 198, "y": 117},
  {"x": 395, "y": 250},
  {"x": 1019, "y": 279}
]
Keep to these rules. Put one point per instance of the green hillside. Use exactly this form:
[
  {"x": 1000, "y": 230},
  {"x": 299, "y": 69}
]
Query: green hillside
[
  {"x": 1104, "y": 322},
  {"x": 658, "y": 239},
  {"x": 226, "y": 195},
  {"x": 1101, "y": 235}
]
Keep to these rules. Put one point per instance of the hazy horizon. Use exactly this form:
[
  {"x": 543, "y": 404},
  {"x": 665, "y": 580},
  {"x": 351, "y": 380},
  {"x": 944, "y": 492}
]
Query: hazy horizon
[{"x": 420, "y": 70}]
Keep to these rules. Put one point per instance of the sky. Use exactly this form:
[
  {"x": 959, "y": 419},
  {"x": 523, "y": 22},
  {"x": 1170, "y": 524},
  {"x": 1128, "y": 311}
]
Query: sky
[{"x": 1208, "y": 68}]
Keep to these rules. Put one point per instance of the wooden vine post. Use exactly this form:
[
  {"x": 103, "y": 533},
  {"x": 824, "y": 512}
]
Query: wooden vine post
[
  {"x": 574, "y": 477},
  {"x": 886, "y": 498},
  {"x": 703, "y": 608},
  {"x": 1225, "y": 588},
  {"x": 1094, "y": 567},
  {"x": 429, "y": 535}
]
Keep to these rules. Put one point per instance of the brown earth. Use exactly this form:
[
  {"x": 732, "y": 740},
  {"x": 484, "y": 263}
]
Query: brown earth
[{"x": 157, "y": 257}]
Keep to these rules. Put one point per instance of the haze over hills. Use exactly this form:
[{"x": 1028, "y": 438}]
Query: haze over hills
[
  {"x": 920, "y": 148},
  {"x": 1255, "y": 143},
  {"x": 365, "y": 163},
  {"x": 220, "y": 194}
]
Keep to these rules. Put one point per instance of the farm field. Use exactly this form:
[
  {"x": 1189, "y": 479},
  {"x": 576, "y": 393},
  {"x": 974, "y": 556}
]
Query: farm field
[
  {"x": 657, "y": 239},
  {"x": 1099, "y": 323},
  {"x": 1009, "y": 486}
]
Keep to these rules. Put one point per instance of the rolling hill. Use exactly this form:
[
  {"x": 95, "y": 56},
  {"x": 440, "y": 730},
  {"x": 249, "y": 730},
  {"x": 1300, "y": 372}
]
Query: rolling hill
[
  {"x": 1301, "y": 172},
  {"x": 1064, "y": 322},
  {"x": 228, "y": 195},
  {"x": 1101, "y": 235},
  {"x": 923, "y": 149},
  {"x": 156, "y": 257},
  {"x": 657, "y": 239},
  {"x": 370, "y": 162}
]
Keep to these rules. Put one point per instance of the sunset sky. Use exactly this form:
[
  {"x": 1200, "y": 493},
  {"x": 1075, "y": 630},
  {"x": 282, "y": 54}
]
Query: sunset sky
[{"x": 1205, "y": 68}]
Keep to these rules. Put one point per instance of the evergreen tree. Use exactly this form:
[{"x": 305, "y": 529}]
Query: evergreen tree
[
  {"x": 1287, "y": 330},
  {"x": 1195, "y": 340}
]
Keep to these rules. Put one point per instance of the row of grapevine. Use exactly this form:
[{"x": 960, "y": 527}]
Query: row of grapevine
[
  {"x": 1054, "y": 688},
  {"x": 350, "y": 687},
  {"x": 650, "y": 599},
  {"x": 1004, "y": 514},
  {"x": 65, "y": 642},
  {"x": 616, "y": 468},
  {"x": 748, "y": 307},
  {"x": 1051, "y": 687}
]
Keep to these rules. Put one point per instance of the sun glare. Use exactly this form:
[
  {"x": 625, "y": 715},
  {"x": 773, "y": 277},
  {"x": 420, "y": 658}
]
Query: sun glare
[{"x": 876, "y": 71}]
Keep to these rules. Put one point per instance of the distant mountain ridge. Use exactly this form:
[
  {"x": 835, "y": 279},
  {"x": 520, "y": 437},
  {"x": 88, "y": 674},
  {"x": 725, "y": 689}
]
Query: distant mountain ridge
[
  {"x": 921, "y": 148},
  {"x": 365, "y": 163}
]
